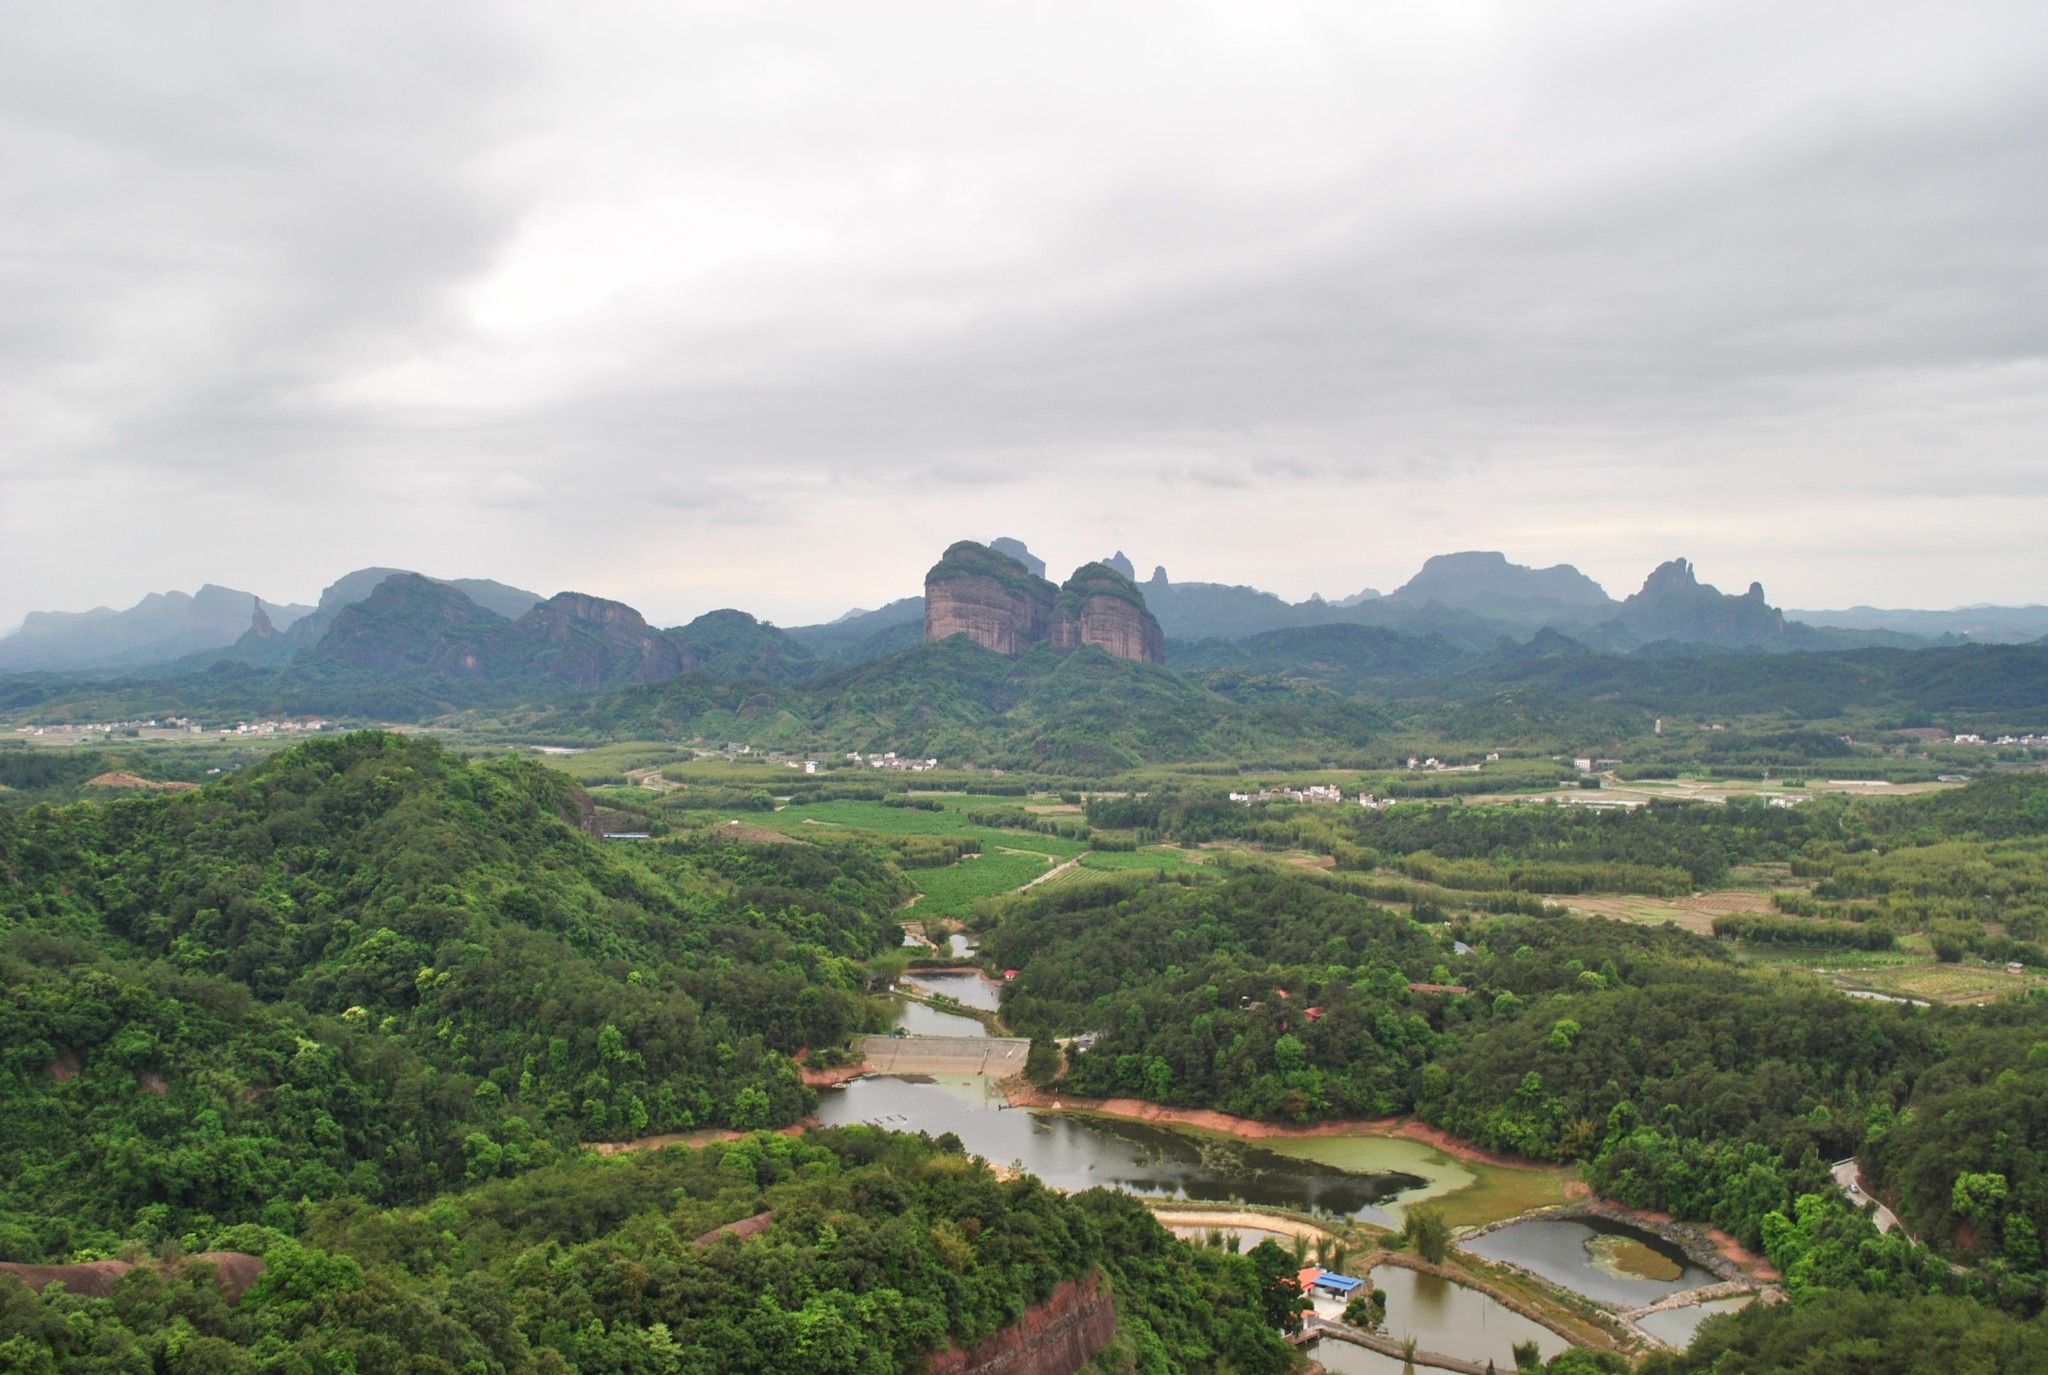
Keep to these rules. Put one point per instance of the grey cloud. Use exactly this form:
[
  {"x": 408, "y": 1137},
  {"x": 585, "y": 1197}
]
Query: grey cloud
[{"x": 523, "y": 270}]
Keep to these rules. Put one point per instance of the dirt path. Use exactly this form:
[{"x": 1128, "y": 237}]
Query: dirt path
[{"x": 1053, "y": 872}]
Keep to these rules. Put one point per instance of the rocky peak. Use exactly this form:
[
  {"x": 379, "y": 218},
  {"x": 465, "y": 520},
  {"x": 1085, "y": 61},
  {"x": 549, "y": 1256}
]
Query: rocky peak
[
  {"x": 1675, "y": 605},
  {"x": 999, "y": 604},
  {"x": 1122, "y": 565},
  {"x": 1668, "y": 578},
  {"x": 590, "y": 640},
  {"x": 410, "y": 621},
  {"x": 1484, "y": 581},
  {"x": 259, "y": 621},
  {"x": 1015, "y": 549},
  {"x": 1101, "y": 606},
  {"x": 989, "y": 597}
]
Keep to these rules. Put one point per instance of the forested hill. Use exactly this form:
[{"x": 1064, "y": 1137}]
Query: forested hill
[
  {"x": 872, "y": 1253},
  {"x": 1082, "y": 711},
  {"x": 366, "y": 966}
]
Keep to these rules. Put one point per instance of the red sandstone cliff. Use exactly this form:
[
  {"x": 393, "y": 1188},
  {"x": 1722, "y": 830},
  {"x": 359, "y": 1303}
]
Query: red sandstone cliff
[
  {"x": 999, "y": 604},
  {"x": 990, "y": 598},
  {"x": 1056, "y": 1337},
  {"x": 1114, "y": 626}
]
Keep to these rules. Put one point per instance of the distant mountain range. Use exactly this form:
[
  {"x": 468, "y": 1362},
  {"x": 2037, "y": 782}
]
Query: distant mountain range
[
  {"x": 1472, "y": 599},
  {"x": 470, "y": 627},
  {"x": 997, "y": 663},
  {"x": 162, "y": 627}
]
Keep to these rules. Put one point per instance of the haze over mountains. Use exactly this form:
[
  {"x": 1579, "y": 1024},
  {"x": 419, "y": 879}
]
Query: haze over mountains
[{"x": 469, "y": 627}]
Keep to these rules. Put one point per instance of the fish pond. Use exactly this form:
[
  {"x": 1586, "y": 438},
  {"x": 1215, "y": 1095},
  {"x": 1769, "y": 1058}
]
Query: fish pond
[
  {"x": 1676, "y": 1327},
  {"x": 1444, "y": 1316},
  {"x": 1609, "y": 1262}
]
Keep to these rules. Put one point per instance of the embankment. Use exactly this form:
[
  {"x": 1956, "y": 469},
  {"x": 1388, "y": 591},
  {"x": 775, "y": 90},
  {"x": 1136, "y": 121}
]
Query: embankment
[{"x": 995, "y": 1056}]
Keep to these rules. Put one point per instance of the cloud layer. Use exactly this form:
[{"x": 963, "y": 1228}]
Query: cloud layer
[{"x": 763, "y": 304}]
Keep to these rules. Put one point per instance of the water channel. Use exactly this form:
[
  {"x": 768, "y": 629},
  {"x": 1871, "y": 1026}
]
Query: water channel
[{"x": 1608, "y": 1262}]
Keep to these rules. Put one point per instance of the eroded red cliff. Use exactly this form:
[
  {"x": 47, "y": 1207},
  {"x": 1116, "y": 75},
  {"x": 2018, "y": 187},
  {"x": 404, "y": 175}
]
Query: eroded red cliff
[{"x": 1056, "y": 1337}]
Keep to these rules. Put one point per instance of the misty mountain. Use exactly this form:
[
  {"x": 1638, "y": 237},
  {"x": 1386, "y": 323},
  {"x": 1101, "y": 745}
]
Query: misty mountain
[
  {"x": 1985, "y": 624},
  {"x": 860, "y": 636},
  {"x": 1485, "y": 583},
  {"x": 161, "y": 628},
  {"x": 1016, "y": 550},
  {"x": 571, "y": 640},
  {"x": 279, "y": 645}
]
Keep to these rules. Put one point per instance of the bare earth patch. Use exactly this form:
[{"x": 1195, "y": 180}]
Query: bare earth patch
[{"x": 130, "y": 780}]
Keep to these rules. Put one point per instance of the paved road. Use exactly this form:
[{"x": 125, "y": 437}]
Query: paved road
[{"x": 1852, "y": 1185}]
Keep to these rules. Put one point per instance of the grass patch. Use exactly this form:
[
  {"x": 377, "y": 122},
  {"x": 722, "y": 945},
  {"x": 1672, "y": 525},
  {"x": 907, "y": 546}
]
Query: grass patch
[
  {"x": 1152, "y": 857},
  {"x": 1499, "y": 1191}
]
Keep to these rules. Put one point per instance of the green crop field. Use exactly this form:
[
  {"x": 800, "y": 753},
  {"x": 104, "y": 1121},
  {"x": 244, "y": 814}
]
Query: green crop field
[
  {"x": 1152, "y": 857},
  {"x": 951, "y": 891},
  {"x": 882, "y": 819},
  {"x": 1008, "y": 859}
]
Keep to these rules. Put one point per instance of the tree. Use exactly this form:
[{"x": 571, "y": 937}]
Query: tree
[
  {"x": 1279, "y": 1285},
  {"x": 1367, "y": 1309},
  {"x": 1426, "y": 1230}
]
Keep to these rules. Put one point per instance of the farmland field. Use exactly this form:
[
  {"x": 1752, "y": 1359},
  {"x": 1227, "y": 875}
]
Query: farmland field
[{"x": 1008, "y": 859}]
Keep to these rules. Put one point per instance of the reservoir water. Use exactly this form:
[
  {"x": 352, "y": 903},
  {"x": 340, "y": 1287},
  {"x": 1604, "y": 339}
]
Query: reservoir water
[
  {"x": 1608, "y": 1262},
  {"x": 919, "y": 1020},
  {"x": 965, "y": 987},
  {"x": 1074, "y": 1152}
]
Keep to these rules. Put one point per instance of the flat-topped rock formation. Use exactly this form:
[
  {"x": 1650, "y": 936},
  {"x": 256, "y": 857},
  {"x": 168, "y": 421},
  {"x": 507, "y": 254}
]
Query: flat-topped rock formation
[{"x": 1003, "y": 606}]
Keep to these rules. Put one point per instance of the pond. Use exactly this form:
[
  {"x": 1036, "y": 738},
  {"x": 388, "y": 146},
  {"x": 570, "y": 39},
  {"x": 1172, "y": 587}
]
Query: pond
[
  {"x": 1342, "y": 1358},
  {"x": 1074, "y": 1151},
  {"x": 1608, "y": 1262},
  {"x": 961, "y": 944},
  {"x": 1456, "y": 1320},
  {"x": 919, "y": 1020},
  {"x": 1676, "y": 1327},
  {"x": 1438, "y": 1173},
  {"x": 965, "y": 987}
]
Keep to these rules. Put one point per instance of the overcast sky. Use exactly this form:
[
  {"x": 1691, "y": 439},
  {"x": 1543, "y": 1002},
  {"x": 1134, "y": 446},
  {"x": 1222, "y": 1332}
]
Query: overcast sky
[{"x": 763, "y": 305}]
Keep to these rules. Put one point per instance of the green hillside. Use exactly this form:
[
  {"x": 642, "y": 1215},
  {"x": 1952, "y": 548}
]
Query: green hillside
[{"x": 365, "y": 960}]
